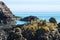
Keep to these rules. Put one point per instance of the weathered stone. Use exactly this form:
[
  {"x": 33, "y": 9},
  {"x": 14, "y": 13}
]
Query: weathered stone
[
  {"x": 6, "y": 15},
  {"x": 29, "y": 18}
]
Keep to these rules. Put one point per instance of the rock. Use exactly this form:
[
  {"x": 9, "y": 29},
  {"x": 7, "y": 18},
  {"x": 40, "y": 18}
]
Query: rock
[
  {"x": 41, "y": 34},
  {"x": 3, "y": 35},
  {"x": 17, "y": 18},
  {"x": 52, "y": 20},
  {"x": 15, "y": 34},
  {"x": 58, "y": 27},
  {"x": 27, "y": 34},
  {"x": 29, "y": 18},
  {"x": 6, "y": 16}
]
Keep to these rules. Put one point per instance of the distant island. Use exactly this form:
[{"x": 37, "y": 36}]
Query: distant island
[{"x": 33, "y": 29}]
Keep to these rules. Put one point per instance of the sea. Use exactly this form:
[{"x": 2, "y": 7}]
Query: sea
[{"x": 41, "y": 15}]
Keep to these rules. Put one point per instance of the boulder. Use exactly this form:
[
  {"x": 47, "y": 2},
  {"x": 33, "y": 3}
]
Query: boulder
[{"x": 29, "y": 18}]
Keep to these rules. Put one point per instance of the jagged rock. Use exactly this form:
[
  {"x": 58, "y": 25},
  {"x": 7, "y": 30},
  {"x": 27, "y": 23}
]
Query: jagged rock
[
  {"x": 28, "y": 34},
  {"x": 58, "y": 27},
  {"x": 41, "y": 34},
  {"x": 3, "y": 35},
  {"x": 15, "y": 35},
  {"x": 6, "y": 16},
  {"x": 29, "y": 18},
  {"x": 52, "y": 20}
]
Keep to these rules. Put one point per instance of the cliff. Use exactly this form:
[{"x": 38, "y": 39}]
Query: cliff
[{"x": 6, "y": 16}]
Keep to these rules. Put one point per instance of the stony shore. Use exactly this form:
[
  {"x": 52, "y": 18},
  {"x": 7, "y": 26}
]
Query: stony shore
[{"x": 33, "y": 29}]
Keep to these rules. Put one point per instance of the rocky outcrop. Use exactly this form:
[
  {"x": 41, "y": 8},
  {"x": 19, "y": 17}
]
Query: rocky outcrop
[
  {"x": 3, "y": 35},
  {"x": 58, "y": 27},
  {"x": 34, "y": 30},
  {"x": 29, "y": 18},
  {"x": 6, "y": 16}
]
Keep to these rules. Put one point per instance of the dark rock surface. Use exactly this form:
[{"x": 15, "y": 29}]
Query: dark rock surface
[
  {"x": 3, "y": 35},
  {"x": 29, "y": 18},
  {"x": 58, "y": 27},
  {"x": 6, "y": 16}
]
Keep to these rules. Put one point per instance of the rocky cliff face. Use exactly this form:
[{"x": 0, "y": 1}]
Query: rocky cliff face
[
  {"x": 5, "y": 9},
  {"x": 6, "y": 16}
]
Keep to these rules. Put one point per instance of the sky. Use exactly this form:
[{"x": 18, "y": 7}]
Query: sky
[{"x": 33, "y": 5}]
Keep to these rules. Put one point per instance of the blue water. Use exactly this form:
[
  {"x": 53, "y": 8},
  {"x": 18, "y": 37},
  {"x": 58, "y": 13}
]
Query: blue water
[
  {"x": 20, "y": 22},
  {"x": 40, "y": 15}
]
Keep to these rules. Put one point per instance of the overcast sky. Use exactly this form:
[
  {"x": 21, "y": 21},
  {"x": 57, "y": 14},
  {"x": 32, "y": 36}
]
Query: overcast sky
[{"x": 33, "y": 5}]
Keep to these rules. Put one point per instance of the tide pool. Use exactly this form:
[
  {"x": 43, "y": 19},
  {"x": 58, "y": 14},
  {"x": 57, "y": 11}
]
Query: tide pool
[{"x": 20, "y": 22}]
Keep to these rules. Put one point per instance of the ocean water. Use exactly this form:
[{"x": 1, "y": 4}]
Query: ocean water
[{"x": 40, "y": 15}]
